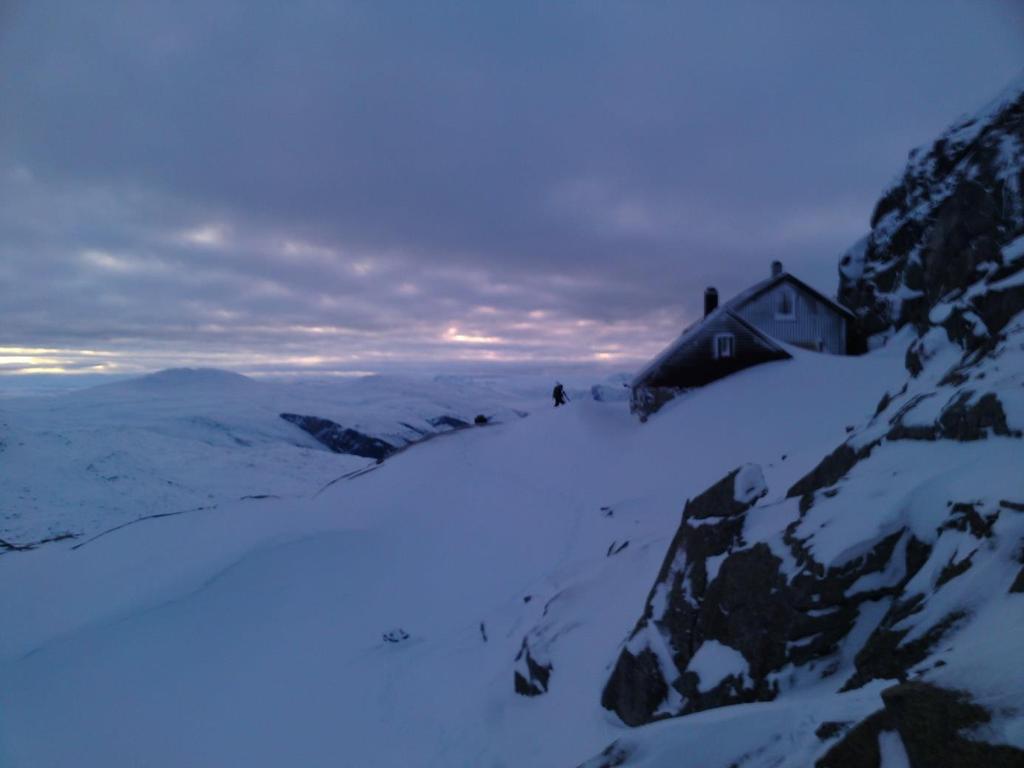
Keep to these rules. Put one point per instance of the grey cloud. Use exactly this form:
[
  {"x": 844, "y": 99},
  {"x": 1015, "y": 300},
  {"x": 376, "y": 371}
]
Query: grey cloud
[{"x": 198, "y": 177}]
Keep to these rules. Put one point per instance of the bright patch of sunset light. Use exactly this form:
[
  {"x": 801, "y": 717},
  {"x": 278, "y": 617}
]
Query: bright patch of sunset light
[
  {"x": 31, "y": 370},
  {"x": 19, "y": 361},
  {"x": 305, "y": 360},
  {"x": 6, "y": 360},
  {"x": 453, "y": 334},
  {"x": 28, "y": 351},
  {"x": 325, "y": 330}
]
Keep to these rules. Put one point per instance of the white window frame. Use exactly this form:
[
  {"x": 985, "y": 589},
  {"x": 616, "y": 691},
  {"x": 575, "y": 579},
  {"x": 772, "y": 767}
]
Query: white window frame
[
  {"x": 717, "y": 346},
  {"x": 791, "y": 315}
]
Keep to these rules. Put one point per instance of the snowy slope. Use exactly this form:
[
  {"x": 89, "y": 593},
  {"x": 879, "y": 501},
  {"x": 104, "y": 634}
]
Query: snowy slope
[
  {"x": 253, "y": 633},
  {"x": 83, "y": 462}
]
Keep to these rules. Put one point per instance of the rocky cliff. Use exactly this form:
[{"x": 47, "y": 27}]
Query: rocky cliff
[
  {"x": 899, "y": 556},
  {"x": 943, "y": 228}
]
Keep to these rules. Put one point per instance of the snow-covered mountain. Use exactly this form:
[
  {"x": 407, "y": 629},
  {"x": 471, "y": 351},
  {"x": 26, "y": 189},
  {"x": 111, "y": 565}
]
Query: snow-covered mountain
[{"x": 844, "y": 585}]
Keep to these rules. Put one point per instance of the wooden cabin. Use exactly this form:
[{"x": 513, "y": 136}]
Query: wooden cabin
[{"x": 751, "y": 328}]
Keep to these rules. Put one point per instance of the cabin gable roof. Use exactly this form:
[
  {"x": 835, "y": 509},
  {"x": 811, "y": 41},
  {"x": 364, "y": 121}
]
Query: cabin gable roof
[
  {"x": 723, "y": 319},
  {"x": 728, "y": 313},
  {"x": 751, "y": 293}
]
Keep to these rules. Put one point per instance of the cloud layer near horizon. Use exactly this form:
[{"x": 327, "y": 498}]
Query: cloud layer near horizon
[{"x": 352, "y": 186}]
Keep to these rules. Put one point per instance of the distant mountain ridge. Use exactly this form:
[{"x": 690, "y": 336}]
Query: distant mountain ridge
[
  {"x": 188, "y": 438},
  {"x": 175, "y": 378}
]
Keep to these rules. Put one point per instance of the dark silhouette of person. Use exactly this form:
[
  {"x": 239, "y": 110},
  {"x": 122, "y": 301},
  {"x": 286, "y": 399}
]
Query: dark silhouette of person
[{"x": 559, "y": 394}]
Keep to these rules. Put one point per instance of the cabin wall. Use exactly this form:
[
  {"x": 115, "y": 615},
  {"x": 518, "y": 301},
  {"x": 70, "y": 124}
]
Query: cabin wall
[{"x": 814, "y": 322}]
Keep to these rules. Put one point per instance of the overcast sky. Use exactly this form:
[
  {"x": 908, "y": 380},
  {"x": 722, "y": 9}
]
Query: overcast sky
[{"x": 360, "y": 186}]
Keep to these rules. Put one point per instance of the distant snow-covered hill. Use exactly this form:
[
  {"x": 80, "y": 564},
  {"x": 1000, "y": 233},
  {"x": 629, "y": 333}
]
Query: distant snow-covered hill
[{"x": 85, "y": 461}]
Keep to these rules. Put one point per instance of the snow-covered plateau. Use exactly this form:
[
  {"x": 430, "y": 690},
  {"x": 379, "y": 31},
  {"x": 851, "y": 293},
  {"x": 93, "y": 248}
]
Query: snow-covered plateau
[{"x": 815, "y": 561}]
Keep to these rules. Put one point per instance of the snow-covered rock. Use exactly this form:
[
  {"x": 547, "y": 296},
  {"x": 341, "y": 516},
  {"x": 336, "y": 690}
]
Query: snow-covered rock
[{"x": 939, "y": 232}]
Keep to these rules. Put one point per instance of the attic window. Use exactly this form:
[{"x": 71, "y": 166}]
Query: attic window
[
  {"x": 785, "y": 304},
  {"x": 724, "y": 346}
]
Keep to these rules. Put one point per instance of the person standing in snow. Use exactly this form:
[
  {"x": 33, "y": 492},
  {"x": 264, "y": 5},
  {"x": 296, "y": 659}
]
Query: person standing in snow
[{"x": 559, "y": 394}]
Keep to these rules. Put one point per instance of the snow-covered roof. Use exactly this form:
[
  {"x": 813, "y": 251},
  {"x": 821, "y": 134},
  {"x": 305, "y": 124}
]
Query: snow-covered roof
[{"x": 692, "y": 332}]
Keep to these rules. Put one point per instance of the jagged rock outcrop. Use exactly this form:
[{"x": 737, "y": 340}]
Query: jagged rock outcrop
[
  {"x": 944, "y": 226},
  {"x": 726, "y": 614},
  {"x": 700, "y": 574},
  {"x": 933, "y": 726},
  {"x": 531, "y": 677}
]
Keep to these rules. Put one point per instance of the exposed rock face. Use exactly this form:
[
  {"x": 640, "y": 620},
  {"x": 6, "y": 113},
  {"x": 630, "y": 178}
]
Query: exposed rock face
[
  {"x": 829, "y": 471},
  {"x": 931, "y": 723},
  {"x": 715, "y": 586},
  {"x": 653, "y": 664},
  {"x": 339, "y": 439},
  {"x": 531, "y": 676},
  {"x": 963, "y": 418},
  {"x": 942, "y": 227}
]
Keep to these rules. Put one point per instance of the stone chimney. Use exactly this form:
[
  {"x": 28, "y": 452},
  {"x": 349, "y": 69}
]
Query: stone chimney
[
  {"x": 776, "y": 268},
  {"x": 710, "y": 301}
]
